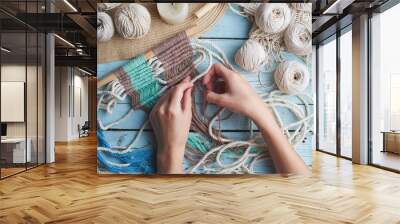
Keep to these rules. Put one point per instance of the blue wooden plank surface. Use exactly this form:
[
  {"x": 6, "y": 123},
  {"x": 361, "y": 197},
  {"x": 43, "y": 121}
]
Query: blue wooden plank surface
[
  {"x": 234, "y": 122},
  {"x": 228, "y": 34},
  {"x": 229, "y": 47},
  {"x": 147, "y": 142}
]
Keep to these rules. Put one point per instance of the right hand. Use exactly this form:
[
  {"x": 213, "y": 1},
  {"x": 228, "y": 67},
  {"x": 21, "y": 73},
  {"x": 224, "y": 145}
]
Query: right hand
[{"x": 228, "y": 89}]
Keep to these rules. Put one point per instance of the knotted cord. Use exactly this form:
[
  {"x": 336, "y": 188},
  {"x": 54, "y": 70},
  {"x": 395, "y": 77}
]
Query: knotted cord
[{"x": 207, "y": 150}]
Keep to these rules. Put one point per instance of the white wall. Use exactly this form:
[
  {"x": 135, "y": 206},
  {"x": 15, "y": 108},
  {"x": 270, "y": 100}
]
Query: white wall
[
  {"x": 16, "y": 73},
  {"x": 69, "y": 82}
]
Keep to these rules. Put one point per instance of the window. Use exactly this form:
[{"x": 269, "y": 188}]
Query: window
[
  {"x": 327, "y": 97},
  {"x": 346, "y": 93},
  {"x": 22, "y": 75},
  {"x": 385, "y": 89}
]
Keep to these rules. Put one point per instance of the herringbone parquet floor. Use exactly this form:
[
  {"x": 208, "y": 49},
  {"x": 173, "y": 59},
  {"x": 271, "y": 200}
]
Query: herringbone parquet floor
[{"x": 70, "y": 191}]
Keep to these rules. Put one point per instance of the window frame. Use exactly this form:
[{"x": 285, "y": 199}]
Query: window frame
[{"x": 336, "y": 36}]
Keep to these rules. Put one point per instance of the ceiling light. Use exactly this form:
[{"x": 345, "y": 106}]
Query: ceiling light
[
  {"x": 64, "y": 40},
  {"x": 337, "y": 7},
  {"x": 70, "y": 5},
  {"x": 84, "y": 71},
  {"x": 5, "y": 50}
]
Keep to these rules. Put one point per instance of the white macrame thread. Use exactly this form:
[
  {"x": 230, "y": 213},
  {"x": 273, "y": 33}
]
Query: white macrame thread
[
  {"x": 105, "y": 27},
  {"x": 302, "y": 6},
  {"x": 251, "y": 56},
  {"x": 292, "y": 77},
  {"x": 274, "y": 99},
  {"x": 206, "y": 51},
  {"x": 107, "y": 6},
  {"x": 298, "y": 39},
  {"x": 132, "y": 21},
  {"x": 273, "y": 18}
]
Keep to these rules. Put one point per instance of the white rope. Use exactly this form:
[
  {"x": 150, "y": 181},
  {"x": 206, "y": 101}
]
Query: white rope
[
  {"x": 274, "y": 99},
  {"x": 112, "y": 163},
  {"x": 243, "y": 163}
]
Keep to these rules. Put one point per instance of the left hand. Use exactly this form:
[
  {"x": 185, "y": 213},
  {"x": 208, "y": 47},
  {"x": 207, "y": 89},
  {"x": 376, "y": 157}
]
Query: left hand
[{"x": 171, "y": 118}]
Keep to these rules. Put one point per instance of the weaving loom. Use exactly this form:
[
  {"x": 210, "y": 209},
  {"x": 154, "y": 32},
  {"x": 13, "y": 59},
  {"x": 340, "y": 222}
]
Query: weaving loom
[{"x": 208, "y": 150}]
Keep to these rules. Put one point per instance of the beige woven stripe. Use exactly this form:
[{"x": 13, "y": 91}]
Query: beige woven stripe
[{"x": 119, "y": 48}]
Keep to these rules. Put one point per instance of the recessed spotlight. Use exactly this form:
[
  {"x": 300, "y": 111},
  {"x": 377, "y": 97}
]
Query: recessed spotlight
[
  {"x": 5, "y": 49},
  {"x": 70, "y": 5},
  {"x": 84, "y": 71},
  {"x": 64, "y": 40}
]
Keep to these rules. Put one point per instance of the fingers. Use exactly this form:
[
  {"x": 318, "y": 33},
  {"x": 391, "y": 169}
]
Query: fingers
[
  {"x": 178, "y": 91},
  {"x": 187, "y": 100},
  {"x": 218, "y": 99},
  {"x": 216, "y": 70}
]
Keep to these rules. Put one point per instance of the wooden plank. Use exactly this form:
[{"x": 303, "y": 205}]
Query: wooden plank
[
  {"x": 229, "y": 47},
  {"x": 147, "y": 142},
  {"x": 234, "y": 122},
  {"x": 229, "y": 26},
  {"x": 229, "y": 41}
]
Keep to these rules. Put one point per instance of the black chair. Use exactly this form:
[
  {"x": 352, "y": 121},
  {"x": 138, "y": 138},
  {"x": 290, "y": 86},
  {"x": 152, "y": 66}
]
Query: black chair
[{"x": 84, "y": 130}]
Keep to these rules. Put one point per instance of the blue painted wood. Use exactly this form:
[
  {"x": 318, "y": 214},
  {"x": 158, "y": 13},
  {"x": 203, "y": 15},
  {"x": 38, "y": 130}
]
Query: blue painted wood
[
  {"x": 234, "y": 122},
  {"x": 229, "y": 47},
  {"x": 147, "y": 142},
  {"x": 229, "y": 26},
  {"x": 228, "y": 34}
]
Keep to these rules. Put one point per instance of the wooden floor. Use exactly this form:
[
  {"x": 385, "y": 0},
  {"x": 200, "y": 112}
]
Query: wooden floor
[{"x": 70, "y": 191}]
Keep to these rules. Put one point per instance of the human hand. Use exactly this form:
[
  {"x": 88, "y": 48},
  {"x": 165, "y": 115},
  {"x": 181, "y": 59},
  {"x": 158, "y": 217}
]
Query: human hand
[
  {"x": 171, "y": 118},
  {"x": 228, "y": 89}
]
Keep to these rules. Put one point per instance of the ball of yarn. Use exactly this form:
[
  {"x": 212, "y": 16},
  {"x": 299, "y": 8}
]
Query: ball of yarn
[
  {"x": 105, "y": 27},
  {"x": 298, "y": 39},
  {"x": 273, "y": 18},
  {"x": 291, "y": 77},
  {"x": 107, "y": 6},
  {"x": 251, "y": 56},
  {"x": 132, "y": 21}
]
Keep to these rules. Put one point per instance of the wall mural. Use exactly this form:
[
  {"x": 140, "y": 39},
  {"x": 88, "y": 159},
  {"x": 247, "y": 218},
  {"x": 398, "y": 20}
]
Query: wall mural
[{"x": 146, "y": 51}]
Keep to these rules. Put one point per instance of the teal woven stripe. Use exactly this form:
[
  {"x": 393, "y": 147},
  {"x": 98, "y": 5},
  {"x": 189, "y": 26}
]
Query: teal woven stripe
[
  {"x": 134, "y": 63},
  {"x": 198, "y": 142},
  {"x": 149, "y": 94},
  {"x": 142, "y": 81}
]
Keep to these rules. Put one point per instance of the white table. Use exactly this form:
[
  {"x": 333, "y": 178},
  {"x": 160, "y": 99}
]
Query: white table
[{"x": 18, "y": 145}]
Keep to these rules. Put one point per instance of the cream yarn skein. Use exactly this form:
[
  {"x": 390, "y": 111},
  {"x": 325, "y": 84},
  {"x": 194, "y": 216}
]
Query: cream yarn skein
[
  {"x": 132, "y": 21},
  {"x": 298, "y": 39},
  {"x": 273, "y": 18},
  {"x": 107, "y": 6},
  {"x": 251, "y": 56},
  {"x": 291, "y": 77},
  {"x": 105, "y": 27}
]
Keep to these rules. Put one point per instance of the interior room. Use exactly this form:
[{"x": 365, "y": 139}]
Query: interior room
[
  {"x": 31, "y": 92},
  {"x": 54, "y": 127}
]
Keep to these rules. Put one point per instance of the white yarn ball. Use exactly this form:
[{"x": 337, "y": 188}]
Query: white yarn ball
[
  {"x": 105, "y": 27},
  {"x": 273, "y": 18},
  {"x": 298, "y": 39},
  {"x": 132, "y": 21},
  {"x": 251, "y": 56},
  {"x": 107, "y": 6},
  {"x": 292, "y": 77}
]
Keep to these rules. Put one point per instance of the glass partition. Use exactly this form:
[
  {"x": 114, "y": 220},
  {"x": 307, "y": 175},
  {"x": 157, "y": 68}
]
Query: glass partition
[
  {"x": 13, "y": 94},
  {"x": 327, "y": 96},
  {"x": 346, "y": 93},
  {"x": 22, "y": 78},
  {"x": 385, "y": 89}
]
